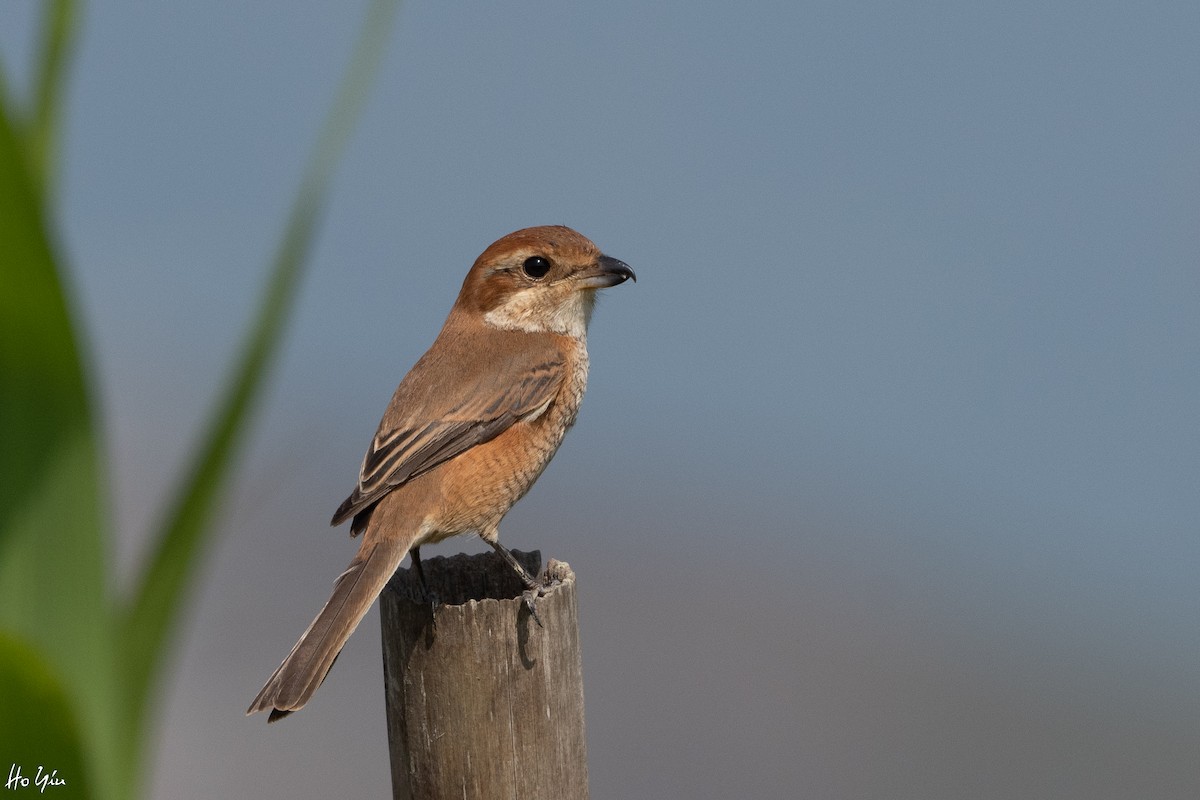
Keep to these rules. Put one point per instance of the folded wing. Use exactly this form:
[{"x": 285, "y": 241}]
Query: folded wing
[{"x": 431, "y": 421}]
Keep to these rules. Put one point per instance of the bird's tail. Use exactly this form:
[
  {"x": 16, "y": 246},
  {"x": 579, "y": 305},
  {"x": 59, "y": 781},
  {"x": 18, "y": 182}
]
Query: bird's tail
[{"x": 298, "y": 677}]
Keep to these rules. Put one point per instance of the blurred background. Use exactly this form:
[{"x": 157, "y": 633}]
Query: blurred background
[{"x": 888, "y": 479}]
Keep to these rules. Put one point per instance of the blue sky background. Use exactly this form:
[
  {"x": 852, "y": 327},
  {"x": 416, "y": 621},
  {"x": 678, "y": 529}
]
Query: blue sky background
[{"x": 888, "y": 479}]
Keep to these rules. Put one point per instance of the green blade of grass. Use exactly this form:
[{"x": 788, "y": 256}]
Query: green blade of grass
[
  {"x": 53, "y": 593},
  {"x": 43, "y": 399},
  {"x": 59, "y": 29},
  {"x": 43, "y": 402},
  {"x": 150, "y": 617}
]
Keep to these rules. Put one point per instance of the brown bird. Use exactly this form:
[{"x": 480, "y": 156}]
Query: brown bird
[{"x": 468, "y": 430}]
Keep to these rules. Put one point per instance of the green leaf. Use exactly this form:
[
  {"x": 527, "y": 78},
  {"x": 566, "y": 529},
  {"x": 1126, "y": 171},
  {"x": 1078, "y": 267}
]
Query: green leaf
[
  {"x": 40, "y": 735},
  {"x": 57, "y": 623},
  {"x": 154, "y": 610},
  {"x": 59, "y": 27},
  {"x": 43, "y": 402},
  {"x": 52, "y": 558}
]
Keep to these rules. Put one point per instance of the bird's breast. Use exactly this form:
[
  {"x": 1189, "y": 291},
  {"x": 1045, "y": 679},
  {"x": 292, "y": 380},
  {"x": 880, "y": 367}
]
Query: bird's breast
[{"x": 478, "y": 487}]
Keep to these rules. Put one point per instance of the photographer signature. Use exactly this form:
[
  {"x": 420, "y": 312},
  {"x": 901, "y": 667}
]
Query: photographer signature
[{"x": 41, "y": 780}]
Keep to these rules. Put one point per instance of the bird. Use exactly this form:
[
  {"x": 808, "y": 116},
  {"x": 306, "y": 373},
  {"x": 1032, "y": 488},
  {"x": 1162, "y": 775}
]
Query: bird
[{"x": 467, "y": 432}]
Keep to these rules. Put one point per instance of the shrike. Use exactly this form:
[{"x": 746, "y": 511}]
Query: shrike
[{"x": 468, "y": 430}]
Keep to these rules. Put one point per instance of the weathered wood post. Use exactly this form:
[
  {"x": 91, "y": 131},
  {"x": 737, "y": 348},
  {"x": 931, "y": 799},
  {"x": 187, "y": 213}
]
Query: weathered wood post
[{"x": 481, "y": 702}]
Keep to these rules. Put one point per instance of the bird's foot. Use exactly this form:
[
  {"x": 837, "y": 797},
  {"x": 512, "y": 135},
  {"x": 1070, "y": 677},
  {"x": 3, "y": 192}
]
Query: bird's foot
[{"x": 530, "y": 596}]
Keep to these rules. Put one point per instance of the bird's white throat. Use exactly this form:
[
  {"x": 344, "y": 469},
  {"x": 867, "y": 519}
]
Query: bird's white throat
[{"x": 526, "y": 311}]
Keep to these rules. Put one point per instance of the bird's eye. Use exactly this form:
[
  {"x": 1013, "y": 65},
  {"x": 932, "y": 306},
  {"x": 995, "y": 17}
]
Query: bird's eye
[{"x": 536, "y": 267}]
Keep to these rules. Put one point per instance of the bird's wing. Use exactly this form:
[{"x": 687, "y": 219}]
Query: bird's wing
[{"x": 452, "y": 400}]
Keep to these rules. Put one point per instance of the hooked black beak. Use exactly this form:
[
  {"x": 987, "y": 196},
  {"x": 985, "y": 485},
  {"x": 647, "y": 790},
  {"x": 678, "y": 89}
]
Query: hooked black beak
[{"x": 606, "y": 272}]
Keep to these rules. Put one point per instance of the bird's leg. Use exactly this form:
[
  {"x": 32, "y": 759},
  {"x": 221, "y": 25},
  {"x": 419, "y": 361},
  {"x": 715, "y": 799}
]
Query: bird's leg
[
  {"x": 430, "y": 597},
  {"x": 527, "y": 579},
  {"x": 533, "y": 587}
]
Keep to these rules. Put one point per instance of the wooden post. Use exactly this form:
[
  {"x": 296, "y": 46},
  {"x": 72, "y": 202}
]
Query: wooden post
[{"x": 481, "y": 702}]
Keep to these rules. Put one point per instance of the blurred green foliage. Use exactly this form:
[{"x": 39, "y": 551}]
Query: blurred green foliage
[{"x": 80, "y": 661}]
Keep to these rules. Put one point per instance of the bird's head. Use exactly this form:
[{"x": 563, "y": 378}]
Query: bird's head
[{"x": 540, "y": 280}]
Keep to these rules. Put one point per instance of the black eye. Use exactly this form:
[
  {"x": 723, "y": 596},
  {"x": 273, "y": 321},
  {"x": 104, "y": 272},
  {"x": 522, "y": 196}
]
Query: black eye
[{"x": 536, "y": 267}]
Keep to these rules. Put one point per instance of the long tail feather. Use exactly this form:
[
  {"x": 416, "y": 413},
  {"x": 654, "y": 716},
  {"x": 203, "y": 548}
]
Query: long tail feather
[{"x": 302, "y": 672}]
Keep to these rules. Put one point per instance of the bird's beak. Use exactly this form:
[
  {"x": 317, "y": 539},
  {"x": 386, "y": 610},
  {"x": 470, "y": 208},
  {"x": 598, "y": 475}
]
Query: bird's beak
[{"x": 605, "y": 272}]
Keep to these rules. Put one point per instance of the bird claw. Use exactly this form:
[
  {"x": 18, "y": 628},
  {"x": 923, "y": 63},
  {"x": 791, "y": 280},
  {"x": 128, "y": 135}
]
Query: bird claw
[{"x": 530, "y": 597}]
